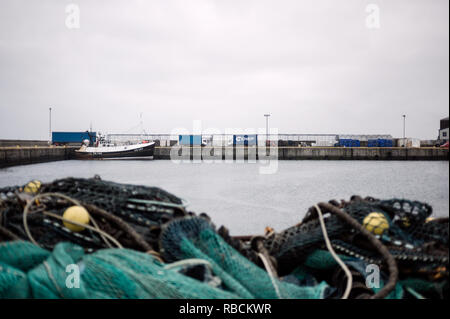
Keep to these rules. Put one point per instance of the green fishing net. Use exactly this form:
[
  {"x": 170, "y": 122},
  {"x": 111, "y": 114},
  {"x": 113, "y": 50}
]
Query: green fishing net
[
  {"x": 27, "y": 271},
  {"x": 172, "y": 253},
  {"x": 196, "y": 238},
  {"x": 107, "y": 273}
]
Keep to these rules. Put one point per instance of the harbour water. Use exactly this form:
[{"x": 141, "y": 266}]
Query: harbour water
[{"x": 238, "y": 196}]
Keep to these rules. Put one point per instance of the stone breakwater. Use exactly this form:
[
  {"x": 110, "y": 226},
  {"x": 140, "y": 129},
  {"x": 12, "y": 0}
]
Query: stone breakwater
[{"x": 20, "y": 155}]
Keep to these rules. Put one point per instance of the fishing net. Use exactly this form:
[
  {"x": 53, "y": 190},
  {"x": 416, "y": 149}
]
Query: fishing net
[
  {"x": 144, "y": 208},
  {"x": 107, "y": 273},
  {"x": 124, "y": 273},
  {"x": 418, "y": 244},
  {"x": 406, "y": 231},
  {"x": 141, "y": 242},
  {"x": 196, "y": 238},
  {"x": 120, "y": 210}
]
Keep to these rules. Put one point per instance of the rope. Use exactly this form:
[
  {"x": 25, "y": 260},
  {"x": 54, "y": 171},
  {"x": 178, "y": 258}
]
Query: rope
[
  {"x": 271, "y": 275},
  {"x": 188, "y": 262},
  {"x": 79, "y": 204},
  {"x": 7, "y": 233},
  {"x": 263, "y": 254},
  {"x": 121, "y": 224},
  {"x": 101, "y": 232},
  {"x": 334, "y": 255},
  {"x": 155, "y": 254},
  {"x": 96, "y": 229},
  {"x": 52, "y": 278},
  {"x": 392, "y": 265}
]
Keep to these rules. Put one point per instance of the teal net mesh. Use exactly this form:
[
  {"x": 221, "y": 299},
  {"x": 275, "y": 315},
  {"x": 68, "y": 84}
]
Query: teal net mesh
[
  {"x": 107, "y": 273},
  {"x": 196, "y": 238},
  {"x": 124, "y": 273}
]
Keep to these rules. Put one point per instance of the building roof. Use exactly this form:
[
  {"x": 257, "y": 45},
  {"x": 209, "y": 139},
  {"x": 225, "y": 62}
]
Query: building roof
[{"x": 444, "y": 123}]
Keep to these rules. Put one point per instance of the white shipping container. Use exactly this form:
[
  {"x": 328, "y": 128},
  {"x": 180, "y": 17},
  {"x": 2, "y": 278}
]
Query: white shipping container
[
  {"x": 408, "y": 142},
  {"x": 324, "y": 143}
]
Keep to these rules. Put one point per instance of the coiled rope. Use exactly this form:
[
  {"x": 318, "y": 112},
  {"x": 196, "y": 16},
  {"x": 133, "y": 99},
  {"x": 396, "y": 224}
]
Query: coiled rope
[
  {"x": 382, "y": 249},
  {"x": 334, "y": 255},
  {"x": 105, "y": 236}
]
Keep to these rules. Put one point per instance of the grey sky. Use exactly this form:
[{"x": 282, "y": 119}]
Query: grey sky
[{"x": 314, "y": 65}]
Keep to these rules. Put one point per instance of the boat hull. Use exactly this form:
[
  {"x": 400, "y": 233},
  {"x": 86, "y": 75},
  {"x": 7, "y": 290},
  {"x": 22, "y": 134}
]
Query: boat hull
[{"x": 146, "y": 151}]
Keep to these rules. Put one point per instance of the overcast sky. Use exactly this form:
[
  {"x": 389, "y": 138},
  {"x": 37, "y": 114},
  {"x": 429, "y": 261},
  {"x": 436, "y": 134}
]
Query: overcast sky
[{"x": 313, "y": 65}]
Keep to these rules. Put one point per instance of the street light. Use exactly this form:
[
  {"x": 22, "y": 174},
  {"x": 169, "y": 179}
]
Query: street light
[
  {"x": 267, "y": 125},
  {"x": 50, "y": 125},
  {"x": 404, "y": 125}
]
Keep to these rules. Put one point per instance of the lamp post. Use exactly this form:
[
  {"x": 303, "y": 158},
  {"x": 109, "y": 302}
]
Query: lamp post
[
  {"x": 267, "y": 126},
  {"x": 404, "y": 127},
  {"x": 50, "y": 125}
]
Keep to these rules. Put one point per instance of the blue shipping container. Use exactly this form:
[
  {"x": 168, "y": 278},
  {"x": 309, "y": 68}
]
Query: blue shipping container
[
  {"x": 348, "y": 142},
  {"x": 196, "y": 140},
  {"x": 372, "y": 143},
  {"x": 190, "y": 139},
  {"x": 245, "y": 139},
  {"x": 73, "y": 137},
  {"x": 345, "y": 142},
  {"x": 382, "y": 142},
  {"x": 185, "y": 140}
]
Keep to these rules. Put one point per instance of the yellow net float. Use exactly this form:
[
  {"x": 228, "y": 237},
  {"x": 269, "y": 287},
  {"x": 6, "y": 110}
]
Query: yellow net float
[
  {"x": 376, "y": 223},
  {"x": 429, "y": 219},
  {"x": 76, "y": 214},
  {"x": 32, "y": 187}
]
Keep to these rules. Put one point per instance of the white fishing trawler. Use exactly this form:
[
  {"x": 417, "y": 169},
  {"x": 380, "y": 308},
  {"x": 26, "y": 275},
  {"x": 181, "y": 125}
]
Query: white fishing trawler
[{"x": 105, "y": 149}]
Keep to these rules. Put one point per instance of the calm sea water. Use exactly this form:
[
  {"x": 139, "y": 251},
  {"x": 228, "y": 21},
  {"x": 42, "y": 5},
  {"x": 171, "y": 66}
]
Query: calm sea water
[{"x": 238, "y": 196}]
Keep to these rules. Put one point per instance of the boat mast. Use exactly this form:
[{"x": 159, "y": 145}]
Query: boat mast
[{"x": 143, "y": 133}]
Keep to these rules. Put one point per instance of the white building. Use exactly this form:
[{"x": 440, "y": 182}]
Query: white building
[{"x": 443, "y": 131}]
